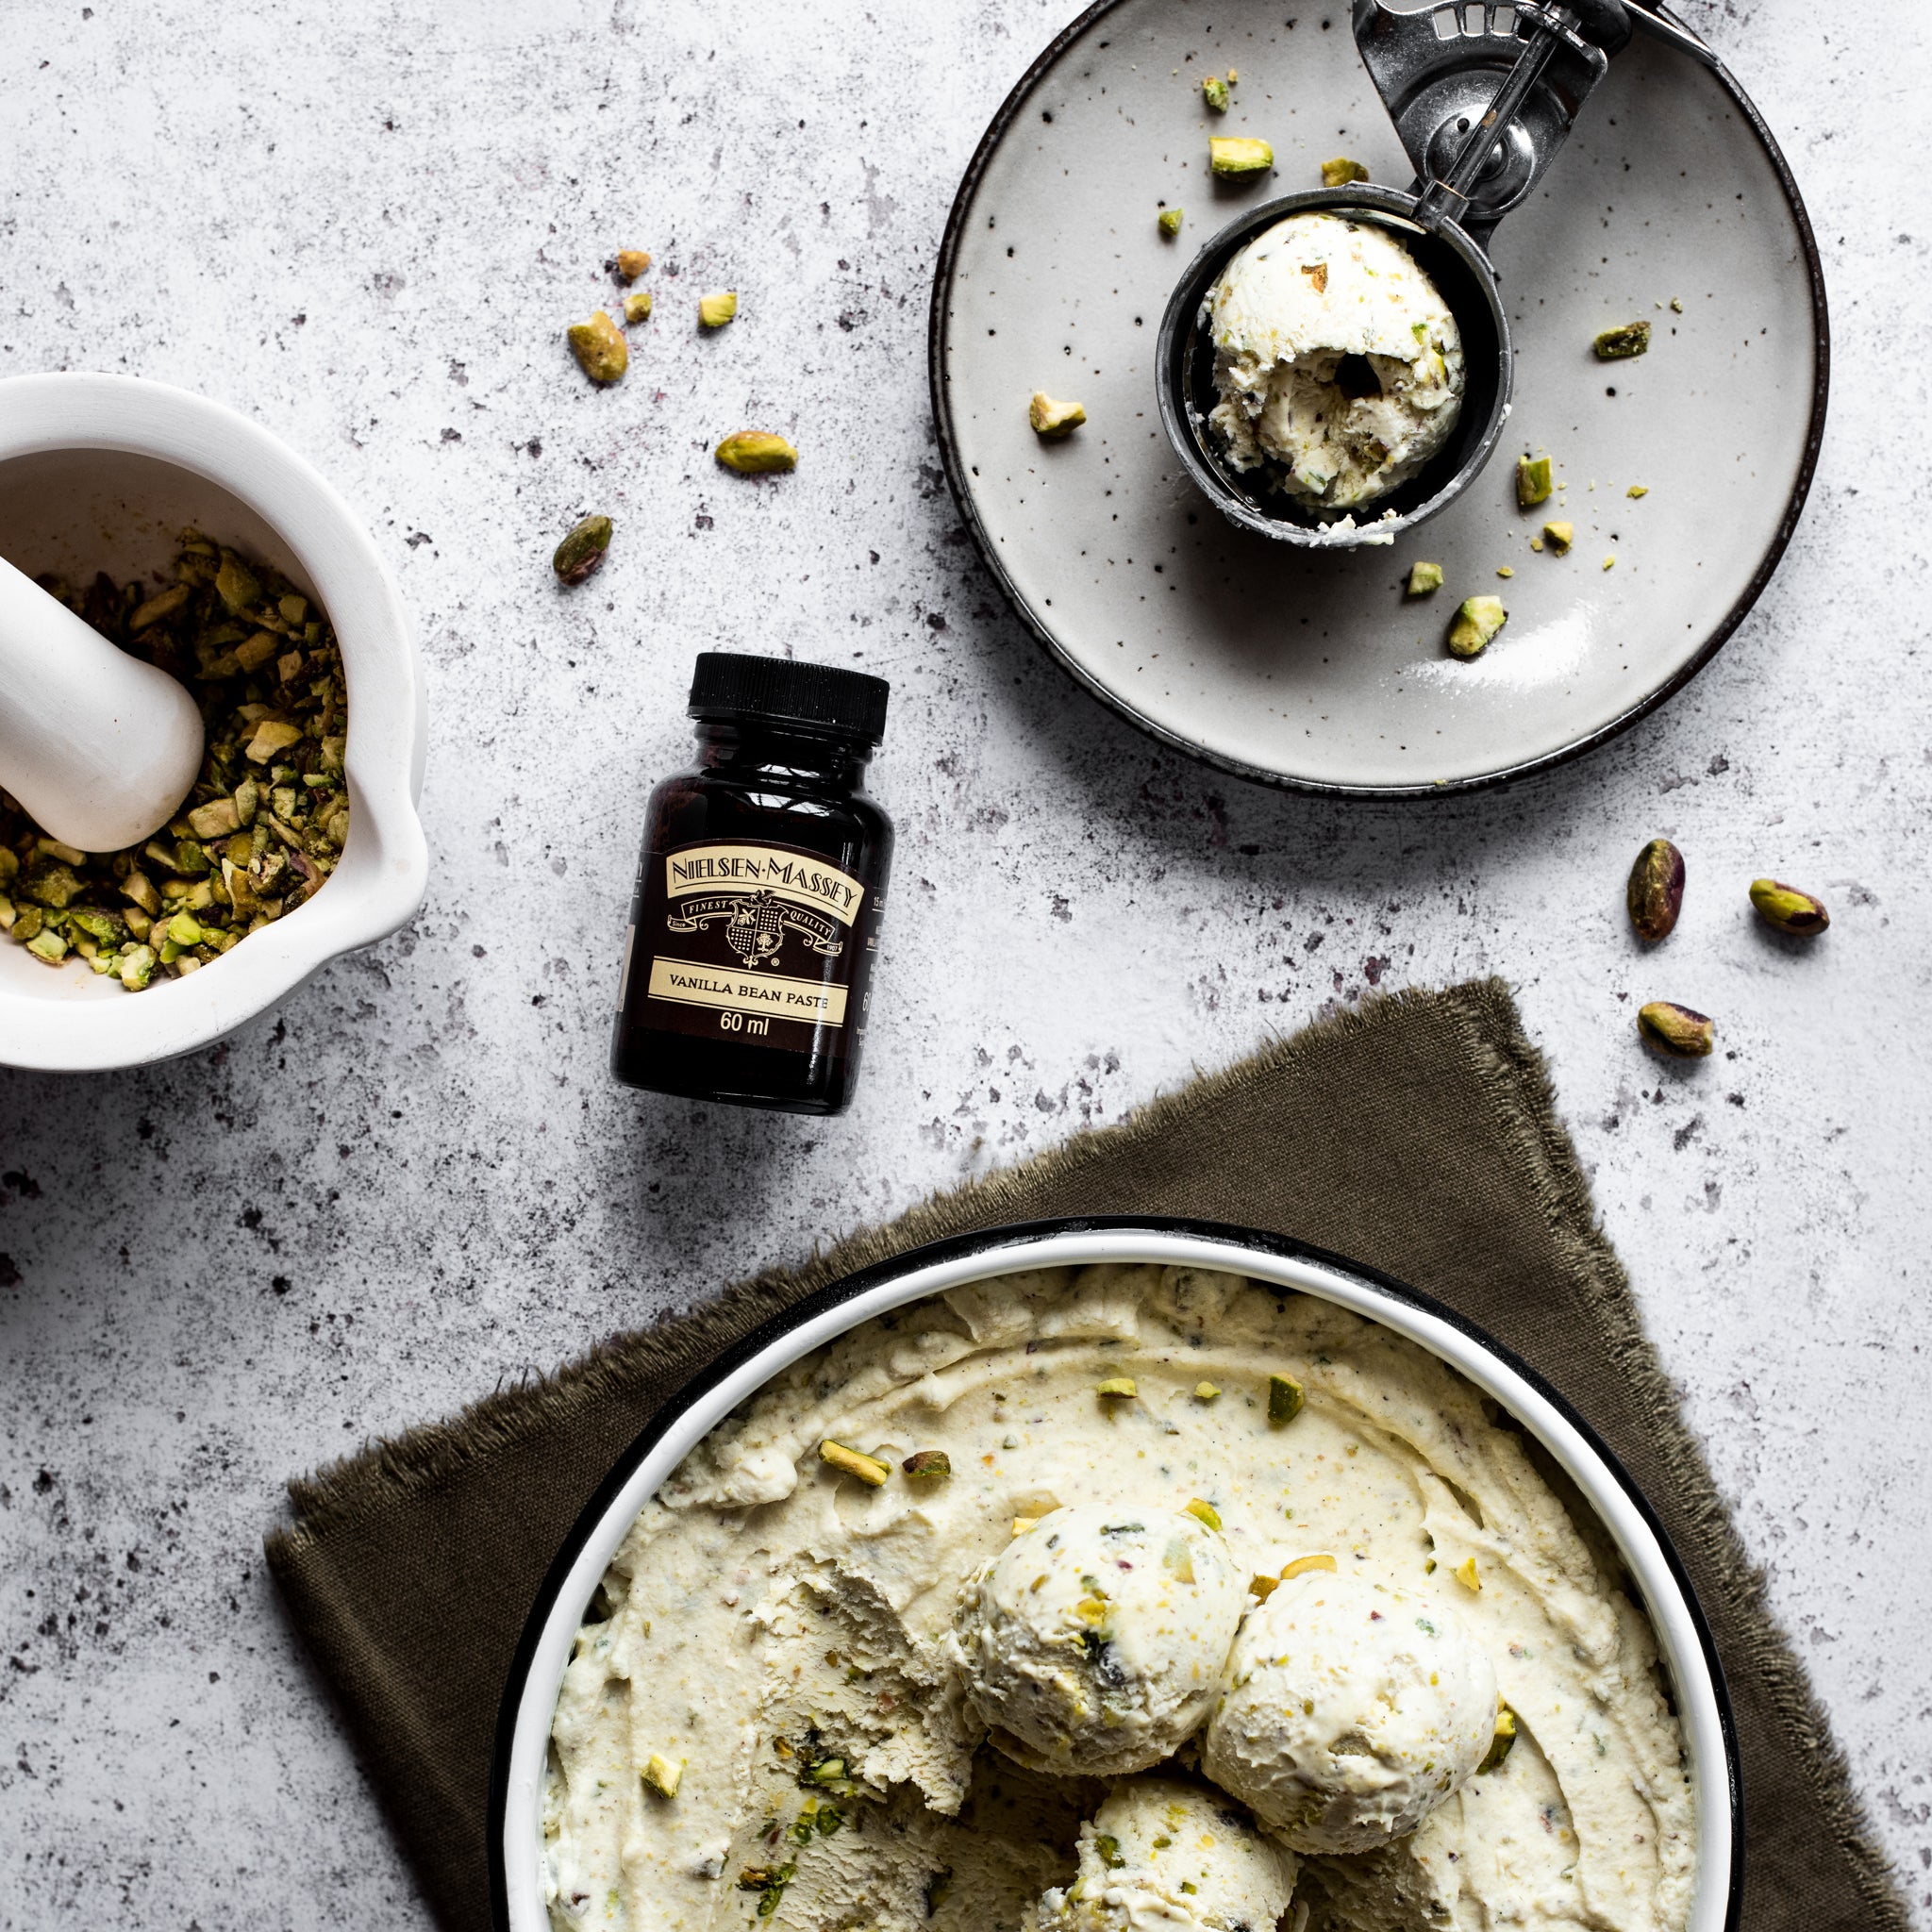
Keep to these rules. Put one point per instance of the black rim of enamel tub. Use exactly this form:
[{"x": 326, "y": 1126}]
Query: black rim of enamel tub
[
  {"x": 938, "y": 343},
  {"x": 1013, "y": 1241}
]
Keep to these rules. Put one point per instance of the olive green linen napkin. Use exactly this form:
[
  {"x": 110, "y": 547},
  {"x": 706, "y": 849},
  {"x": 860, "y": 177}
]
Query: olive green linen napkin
[{"x": 1417, "y": 1136}]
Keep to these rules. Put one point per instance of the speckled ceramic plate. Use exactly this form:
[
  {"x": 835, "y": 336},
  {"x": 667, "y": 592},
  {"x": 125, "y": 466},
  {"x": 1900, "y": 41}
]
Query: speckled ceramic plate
[{"x": 1312, "y": 669}]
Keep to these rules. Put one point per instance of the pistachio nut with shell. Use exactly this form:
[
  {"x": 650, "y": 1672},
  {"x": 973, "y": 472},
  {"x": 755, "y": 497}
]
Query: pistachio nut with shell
[
  {"x": 1656, "y": 892},
  {"x": 1681, "y": 1032},
  {"x": 1789, "y": 910},
  {"x": 582, "y": 549}
]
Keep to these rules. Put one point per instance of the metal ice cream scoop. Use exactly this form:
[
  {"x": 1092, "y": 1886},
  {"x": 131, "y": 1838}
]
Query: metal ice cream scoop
[
  {"x": 1483, "y": 93},
  {"x": 100, "y": 748}
]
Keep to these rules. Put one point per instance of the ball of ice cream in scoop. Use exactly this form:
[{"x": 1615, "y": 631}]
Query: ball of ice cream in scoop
[
  {"x": 1338, "y": 363},
  {"x": 1352, "y": 1710},
  {"x": 1095, "y": 1641},
  {"x": 1159, "y": 1852}
]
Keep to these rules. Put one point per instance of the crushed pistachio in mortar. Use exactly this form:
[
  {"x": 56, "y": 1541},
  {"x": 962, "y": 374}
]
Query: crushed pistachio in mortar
[{"x": 269, "y": 815}]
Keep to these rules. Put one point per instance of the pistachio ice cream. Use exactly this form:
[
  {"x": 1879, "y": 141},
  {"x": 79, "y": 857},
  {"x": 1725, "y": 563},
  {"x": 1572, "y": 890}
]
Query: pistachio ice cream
[
  {"x": 1095, "y": 1641},
  {"x": 1163, "y": 1854},
  {"x": 1336, "y": 361},
  {"x": 1352, "y": 1710},
  {"x": 768, "y": 1716}
]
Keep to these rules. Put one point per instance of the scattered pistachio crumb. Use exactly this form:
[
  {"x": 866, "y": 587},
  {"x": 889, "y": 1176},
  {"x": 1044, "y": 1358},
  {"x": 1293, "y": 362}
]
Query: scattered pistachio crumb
[
  {"x": 1637, "y": 489},
  {"x": 1169, "y": 221},
  {"x": 1503, "y": 570},
  {"x": 599, "y": 346},
  {"x": 1423, "y": 578},
  {"x": 1233, "y": 77},
  {"x": 1561, "y": 537},
  {"x": 1465, "y": 1574},
  {"x": 1677, "y": 306},
  {"x": 1341, "y": 171},
  {"x": 1233, "y": 155},
  {"x": 1206, "y": 1512},
  {"x": 1053, "y": 419},
  {"x": 637, "y": 306},
  {"x": 715, "y": 310},
  {"x": 1610, "y": 562},
  {"x": 1500, "y": 1743},
  {"x": 868, "y": 1469},
  {"x": 1302, "y": 1565},
  {"x": 1285, "y": 1399},
  {"x": 1117, "y": 1388},
  {"x": 631, "y": 263},
  {"x": 1474, "y": 626},
  {"x": 1205, "y": 1391},
  {"x": 756, "y": 452},
  {"x": 1627, "y": 340},
  {"x": 1023, "y": 1524},
  {"x": 1533, "y": 484},
  {"x": 662, "y": 1776},
  {"x": 1214, "y": 89}
]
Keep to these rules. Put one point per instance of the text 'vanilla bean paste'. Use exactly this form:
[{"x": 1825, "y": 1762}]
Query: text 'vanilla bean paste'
[{"x": 748, "y": 965}]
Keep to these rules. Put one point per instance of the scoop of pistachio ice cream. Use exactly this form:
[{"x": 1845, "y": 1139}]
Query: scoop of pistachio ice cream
[
  {"x": 1338, "y": 363},
  {"x": 1163, "y": 1854},
  {"x": 1094, "y": 1642},
  {"x": 1352, "y": 1710}
]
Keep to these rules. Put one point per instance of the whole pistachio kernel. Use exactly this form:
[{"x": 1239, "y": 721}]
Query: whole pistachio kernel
[
  {"x": 1627, "y": 340},
  {"x": 600, "y": 348},
  {"x": 1169, "y": 221},
  {"x": 927, "y": 1464},
  {"x": 1789, "y": 910},
  {"x": 1205, "y": 1512},
  {"x": 582, "y": 550},
  {"x": 1655, "y": 894},
  {"x": 715, "y": 310},
  {"x": 1341, "y": 171},
  {"x": 1533, "y": 481},
  {"x": 756, "y": 452},
  {"x": 1500, "y": 1743},
  {"x": 1681, "y": 1032},
  {"x": 1285, "y": 1399},
  {"x": 1214, "y": 91},
  {"x": 1235, "y": 157},
  {"x": 868, "y": 1469}
]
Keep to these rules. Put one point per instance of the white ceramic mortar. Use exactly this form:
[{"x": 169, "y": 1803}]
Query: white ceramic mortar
[{"x": 101, "y": 473}]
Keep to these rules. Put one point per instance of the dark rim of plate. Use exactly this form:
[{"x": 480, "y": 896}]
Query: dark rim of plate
[
  {"x": 1016, "y": 1236},
  {"x": 936, "y": 341}
]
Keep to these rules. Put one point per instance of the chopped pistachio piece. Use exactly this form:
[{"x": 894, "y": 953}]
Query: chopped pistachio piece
[
  {"x": 1117, "y": 1388},
  {"x": 715, "y": 310},
  {"x": 1789, "y": 910},
  {"x": 868, "y": 1469},
  {"x": 1234, "y": 155},
  {"x": 1423, "y": 578},
  {"x": 1205, "y": 1512},
  {"x": 1023, "y": 1524},
  {"x": 48, "y": 945},
  {"x": 637, "y": 308},
  {"x": 1500, "y": 1743},
  {"x": 1637, "y": 489},
  {"x": 1108, "y": 1849},
  {"x": 1504, "y": 570},
  {"x": 756, "y": 452},
  {"x": 272, "y": 735},
  {"x": 215, "y": 819},
  {"x": 927, "y": 1464},
  {"x": 631, "y": 263},
  {"x": 1171, "y": 219},
  {"x": 1302, "y": 1565},
  {"x": 662, "y": 1776},
  {"x": 163, "y": 603},
  {"x": 1681, "y": 1032},
  {"x": 1285, "y": 1399},
  {"x": 235, "y": 585},
  {"x": 138, "y": 965},
  {"x": 1533, "y": 481},
  {"x": 582, "y": 550},
  {"x": 1205, "y": 1391},
  {"x": 1263, "y": 1586},
  {"x": 1214, "y": 89},
  {"x": 1341, "y": 171},
  {"x": 1627, "y": 338},
  {"x": 1053, "y": 419},
  {"x": 1477, "y": 621},
  {"x": 1560, "y": 536},
  {"x": 1611, "y": 561},
  {"x": 1465, "y": 1574},
  {"x": 600, "y": 348}
]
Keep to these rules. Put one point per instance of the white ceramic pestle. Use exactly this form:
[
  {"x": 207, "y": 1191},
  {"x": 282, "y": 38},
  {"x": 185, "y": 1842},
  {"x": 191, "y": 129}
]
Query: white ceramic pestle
[{"x": 99, "y": 747}]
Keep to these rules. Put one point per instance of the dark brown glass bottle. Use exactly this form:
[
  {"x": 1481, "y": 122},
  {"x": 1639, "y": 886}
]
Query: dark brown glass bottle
[{"x": 754, "y": 926}]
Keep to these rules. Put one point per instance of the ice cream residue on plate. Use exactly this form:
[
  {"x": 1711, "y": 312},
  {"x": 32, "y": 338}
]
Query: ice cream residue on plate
[{"x": 1338, "y": 363}]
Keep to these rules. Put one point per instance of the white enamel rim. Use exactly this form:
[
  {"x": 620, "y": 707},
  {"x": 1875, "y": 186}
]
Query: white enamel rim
[
  {"x": 384, "y": 870},
  {"x": 1671, "y": 1615}
]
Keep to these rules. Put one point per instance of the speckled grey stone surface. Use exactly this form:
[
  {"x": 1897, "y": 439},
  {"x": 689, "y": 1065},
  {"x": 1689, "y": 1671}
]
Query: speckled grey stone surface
[{"x": 366, "y": 224}]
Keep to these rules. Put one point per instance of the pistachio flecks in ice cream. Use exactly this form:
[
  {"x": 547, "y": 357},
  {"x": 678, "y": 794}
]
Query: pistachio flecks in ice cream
[
  {"x": 1352, "y": 1711},
  {"x": 1160, "y": 1852},
  {"x": 1094, "y": 1642},
  {"x": 1338, "y": 363}
]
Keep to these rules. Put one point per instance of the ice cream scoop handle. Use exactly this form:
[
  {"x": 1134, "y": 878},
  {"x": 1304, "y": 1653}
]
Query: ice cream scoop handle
[{"x": 97, "y": 746}]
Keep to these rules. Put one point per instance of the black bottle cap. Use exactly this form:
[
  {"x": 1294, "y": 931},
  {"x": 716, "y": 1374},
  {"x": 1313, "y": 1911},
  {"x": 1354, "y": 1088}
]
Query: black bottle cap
[{"x": 731, "y": 684}]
